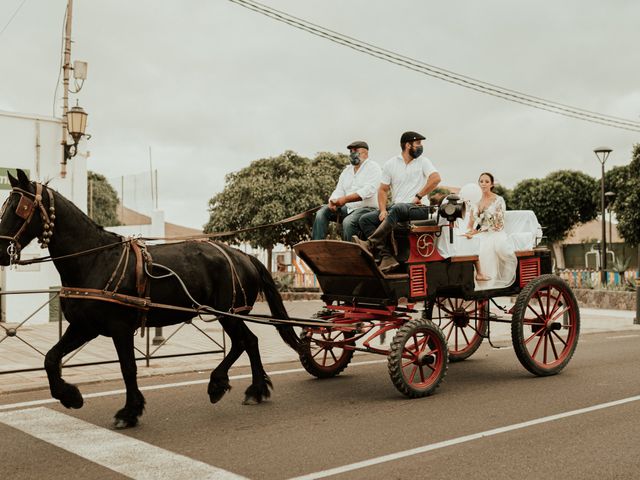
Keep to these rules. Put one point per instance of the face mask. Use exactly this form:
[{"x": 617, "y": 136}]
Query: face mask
[
  {"x": 354, "y": 158},
  {"x": 416, "y": 151}
]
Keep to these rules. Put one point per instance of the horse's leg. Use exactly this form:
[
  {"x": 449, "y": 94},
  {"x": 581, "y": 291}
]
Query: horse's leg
[
  {"x": 261, "y": 383},
  {"x": 219, "y": 381},
  {"x": 68, "y": 394},
  {"x": 128, "y": 415}
]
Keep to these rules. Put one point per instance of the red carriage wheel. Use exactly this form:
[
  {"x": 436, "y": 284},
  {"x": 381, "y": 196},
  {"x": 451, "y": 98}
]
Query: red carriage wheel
[
  {"x": 418, "y": 358},
  {"x": 545, "y": 325},
  {"x": 463, "y": 322},
  {"x": 320, "y": 356}
]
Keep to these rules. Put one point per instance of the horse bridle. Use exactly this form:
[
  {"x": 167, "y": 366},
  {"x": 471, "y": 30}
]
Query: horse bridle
[{"x": 27, "y": 206}]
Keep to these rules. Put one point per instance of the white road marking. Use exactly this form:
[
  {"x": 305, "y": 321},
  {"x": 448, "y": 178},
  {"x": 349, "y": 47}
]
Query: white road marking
[
  {"x": 120, "y": 453},
  {"x": 48, "y": 401},
  {"x": 467, "y": 438},
  {"x": 621, "y": 336}
]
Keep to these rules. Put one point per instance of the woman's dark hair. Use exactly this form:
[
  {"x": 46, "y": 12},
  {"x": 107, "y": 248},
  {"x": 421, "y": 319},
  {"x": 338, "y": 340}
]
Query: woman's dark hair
[{"x": 490, "y": 176}]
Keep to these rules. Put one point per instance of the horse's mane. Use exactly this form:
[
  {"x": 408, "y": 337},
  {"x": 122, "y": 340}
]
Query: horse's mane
[{"x": 77, "y": 212}]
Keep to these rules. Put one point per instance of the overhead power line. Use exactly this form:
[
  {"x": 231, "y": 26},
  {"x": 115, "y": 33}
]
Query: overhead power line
[
  {"x": 440, "y": 73},
  {"x": 12, "y": 17}
]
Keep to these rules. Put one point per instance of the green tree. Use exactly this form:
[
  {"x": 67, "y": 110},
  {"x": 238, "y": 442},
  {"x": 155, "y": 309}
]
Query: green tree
[
  {"x": 624, "y": 181},
  {"x": 561, "y": 200},
  {"x": 102, "y": 200},
  {"x": 272, "y": 189},
  {"x": 504, "y": 192}
]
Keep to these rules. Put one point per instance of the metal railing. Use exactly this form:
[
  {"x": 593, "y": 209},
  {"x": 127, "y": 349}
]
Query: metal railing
[{"x": 148, "y": 352}]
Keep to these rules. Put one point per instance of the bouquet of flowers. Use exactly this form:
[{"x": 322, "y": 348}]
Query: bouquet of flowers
[{"x": 485, "y": 221}]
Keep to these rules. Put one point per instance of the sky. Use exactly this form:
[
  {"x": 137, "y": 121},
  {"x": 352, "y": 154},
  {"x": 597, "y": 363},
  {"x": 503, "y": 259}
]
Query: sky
[{"x": 210, "y": 86}]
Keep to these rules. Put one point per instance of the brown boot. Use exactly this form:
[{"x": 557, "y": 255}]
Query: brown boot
[
  {"x": 363, "y": 243},
  {"x": 388, "y": 263}
]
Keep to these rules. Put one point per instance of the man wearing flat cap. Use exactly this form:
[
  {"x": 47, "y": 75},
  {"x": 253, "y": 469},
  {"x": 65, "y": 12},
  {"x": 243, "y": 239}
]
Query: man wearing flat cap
[
  {"x": 409, "y": 176},
  {"x": 354, "y": 195}
]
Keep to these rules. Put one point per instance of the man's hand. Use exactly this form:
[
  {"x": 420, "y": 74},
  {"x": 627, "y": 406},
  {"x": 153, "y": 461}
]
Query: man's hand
[
  {"x": 417, "y": 201},
  {"x": 340, "y": 201},
  {"x": 383, "y": 215},
  {"x": 332, "y": 205}
]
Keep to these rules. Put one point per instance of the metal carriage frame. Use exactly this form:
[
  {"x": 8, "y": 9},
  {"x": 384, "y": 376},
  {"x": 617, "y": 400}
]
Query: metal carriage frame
[{"x": 363, "y": 304}]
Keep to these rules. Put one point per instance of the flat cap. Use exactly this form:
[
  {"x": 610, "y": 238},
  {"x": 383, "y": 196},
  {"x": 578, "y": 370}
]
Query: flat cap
[
  {"x": 410, "y": 137},
  {"x": 358, "y": 144}
]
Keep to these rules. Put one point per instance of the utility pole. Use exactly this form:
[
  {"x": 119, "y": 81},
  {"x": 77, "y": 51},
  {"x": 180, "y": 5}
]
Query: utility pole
[{"x": 66, "y": 68}]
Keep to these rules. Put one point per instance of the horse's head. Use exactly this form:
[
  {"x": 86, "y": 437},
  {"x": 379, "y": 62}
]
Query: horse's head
[{"x": 29, "y": 212}]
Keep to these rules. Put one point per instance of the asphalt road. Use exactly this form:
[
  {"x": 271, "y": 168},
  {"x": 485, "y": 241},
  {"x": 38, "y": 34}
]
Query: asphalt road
[{"x": 471, "y": 428}]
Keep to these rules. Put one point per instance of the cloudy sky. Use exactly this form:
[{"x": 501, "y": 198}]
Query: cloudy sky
[{"x": 211, "y": 86}]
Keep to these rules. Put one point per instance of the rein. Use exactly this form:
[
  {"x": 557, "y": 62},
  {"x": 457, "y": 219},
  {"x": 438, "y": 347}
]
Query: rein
[{"x": 179, "y": 238}]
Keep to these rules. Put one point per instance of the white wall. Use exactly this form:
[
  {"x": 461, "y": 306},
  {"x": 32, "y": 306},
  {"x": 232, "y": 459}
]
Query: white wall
[{"x": 33, "y": 142}]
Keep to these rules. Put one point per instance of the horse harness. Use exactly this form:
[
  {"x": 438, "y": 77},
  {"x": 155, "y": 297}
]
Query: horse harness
[
  {"x": 27, "y": 206},
  {"x": 142, "y": 301}
]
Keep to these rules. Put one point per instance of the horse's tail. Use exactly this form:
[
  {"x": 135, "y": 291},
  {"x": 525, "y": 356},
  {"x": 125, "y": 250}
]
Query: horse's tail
[{"x": 276, "y": 306}]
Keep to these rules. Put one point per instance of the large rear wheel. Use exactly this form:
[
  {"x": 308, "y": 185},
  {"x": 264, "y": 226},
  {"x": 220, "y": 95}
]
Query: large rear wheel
[
  {"x": 323, "y": 354},
  {"x": 545, "y": 325},
  {"x": 463, "y": 323},
  {"x": 418, "y": 358}
]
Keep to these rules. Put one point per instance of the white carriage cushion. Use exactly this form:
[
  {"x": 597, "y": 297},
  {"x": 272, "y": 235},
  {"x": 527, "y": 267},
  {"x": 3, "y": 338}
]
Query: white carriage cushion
[{"x": 521, "y": 226}]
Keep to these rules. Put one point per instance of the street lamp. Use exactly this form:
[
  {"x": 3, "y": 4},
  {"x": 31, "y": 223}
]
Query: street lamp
[
  {"x": 602, "y": 153},
  {"x": 76, "y": 126},
  {"x": 610, "y": 196}
]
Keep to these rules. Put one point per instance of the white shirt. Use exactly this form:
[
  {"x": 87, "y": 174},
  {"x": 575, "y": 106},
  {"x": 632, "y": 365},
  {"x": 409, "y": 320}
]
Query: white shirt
[
  {"x": 406, "y": 179},
  {"x": 364, "y": 182}
]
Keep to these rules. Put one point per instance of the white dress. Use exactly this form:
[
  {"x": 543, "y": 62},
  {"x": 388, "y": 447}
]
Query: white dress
[{"x": 497, "y": 257}]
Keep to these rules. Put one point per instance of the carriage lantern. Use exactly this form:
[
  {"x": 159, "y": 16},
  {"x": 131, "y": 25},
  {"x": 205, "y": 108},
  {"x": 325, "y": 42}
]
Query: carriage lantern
[
  {"x": 452, "y": 208},
  {"x": 76, "y": 125}
]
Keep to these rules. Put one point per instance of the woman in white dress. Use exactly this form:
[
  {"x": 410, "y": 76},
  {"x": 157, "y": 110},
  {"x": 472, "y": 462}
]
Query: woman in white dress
[{"x": 496, "y": 267}]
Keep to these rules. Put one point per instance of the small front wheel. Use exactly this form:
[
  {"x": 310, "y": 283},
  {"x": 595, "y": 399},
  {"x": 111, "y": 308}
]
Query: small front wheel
[
  {"x": 545, "y": 325},
  {"x": 323, "y": 354},
  {"x": 418, "y": 359}
]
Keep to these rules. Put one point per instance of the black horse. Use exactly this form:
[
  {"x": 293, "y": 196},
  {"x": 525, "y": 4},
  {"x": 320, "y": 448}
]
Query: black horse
[{"x": 183, "y": 274}]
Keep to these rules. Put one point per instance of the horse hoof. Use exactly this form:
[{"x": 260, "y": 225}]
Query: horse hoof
[
  {"x": 250, "y": 400},
  {"x": 217, "y": 390},
  {"x": 121, "y": 424},
  {"x": 70, "y": 397}
]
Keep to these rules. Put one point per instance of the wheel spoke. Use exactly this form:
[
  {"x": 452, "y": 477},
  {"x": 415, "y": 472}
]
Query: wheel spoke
[
  {"x": 560, "y": 338},
  {"x": 542, "y": 312},
  {"x": 535, "y": 350},
  {"x": 561, "y": 312},
  {"x": 536, "y": 314},
  {"x": 532, "y": 336},
  {"x": 335, "y": 359},
  {"x": 413, "y": 374},
  {"x": 546, "y": 338},
  {"x": 421, "y": 374},
  {"x": 464, "y": 334},
  {"x": 556, "y": 304},
  {"x": 553, "y": 347}
]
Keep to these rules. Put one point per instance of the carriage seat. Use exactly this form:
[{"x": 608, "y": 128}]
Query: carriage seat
[{"x": 521, "y": 226}]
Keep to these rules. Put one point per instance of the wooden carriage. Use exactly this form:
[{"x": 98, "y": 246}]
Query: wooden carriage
[{"x": 363, "y": 304}]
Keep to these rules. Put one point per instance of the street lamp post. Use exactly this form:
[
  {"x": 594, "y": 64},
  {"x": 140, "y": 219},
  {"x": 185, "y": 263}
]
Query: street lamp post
[
  {"x": 602, "y": 153},
  {"x": 610, "y": 196}
]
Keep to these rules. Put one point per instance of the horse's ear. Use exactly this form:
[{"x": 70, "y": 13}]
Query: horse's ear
[
  {"x": 23, "y": 179},
  {"x": 12, "y": 180}
]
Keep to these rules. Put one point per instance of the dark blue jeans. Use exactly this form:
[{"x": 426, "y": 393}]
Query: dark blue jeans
[
  {"x": 399, "y": 212},
  {"x": 350, "y": 222}
]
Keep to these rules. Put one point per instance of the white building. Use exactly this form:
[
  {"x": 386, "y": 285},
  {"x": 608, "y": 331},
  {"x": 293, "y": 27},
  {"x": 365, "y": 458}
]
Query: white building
[{"x": 33, "y": 143}]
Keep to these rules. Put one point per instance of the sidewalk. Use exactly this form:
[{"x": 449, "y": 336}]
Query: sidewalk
[{"x": 16, "y": 354}]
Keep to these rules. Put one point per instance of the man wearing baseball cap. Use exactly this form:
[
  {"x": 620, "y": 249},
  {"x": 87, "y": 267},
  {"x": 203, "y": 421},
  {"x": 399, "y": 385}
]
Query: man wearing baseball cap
[
  {"x": 409, "y": 176},
  {"x": 354, "y": 195}
]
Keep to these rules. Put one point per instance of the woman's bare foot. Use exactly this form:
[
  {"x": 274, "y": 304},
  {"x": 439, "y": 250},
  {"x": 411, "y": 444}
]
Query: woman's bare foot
[{"x": 480, "y": 277}]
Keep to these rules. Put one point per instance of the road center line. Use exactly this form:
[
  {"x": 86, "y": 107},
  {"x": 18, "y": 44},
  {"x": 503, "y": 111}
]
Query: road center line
[
  {"x": 617, "y": 337},
  {"x": 48, "y": 401},
  {"x": 118, "y": 452},
  {"x": 467, "y": 438}
]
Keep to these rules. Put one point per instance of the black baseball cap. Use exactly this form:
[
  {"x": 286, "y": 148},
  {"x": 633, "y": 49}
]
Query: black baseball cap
[
  {"x": 358, "y": 144},
  {"x": 410, "y": 137}
]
